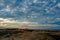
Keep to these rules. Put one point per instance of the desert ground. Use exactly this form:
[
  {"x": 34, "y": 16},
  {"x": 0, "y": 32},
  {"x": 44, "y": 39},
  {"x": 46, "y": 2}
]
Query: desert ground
[{"x": 29, "y": 34}]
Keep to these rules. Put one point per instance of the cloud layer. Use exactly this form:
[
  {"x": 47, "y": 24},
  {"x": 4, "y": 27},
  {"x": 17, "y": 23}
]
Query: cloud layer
[{"x": 29, "y": 12}]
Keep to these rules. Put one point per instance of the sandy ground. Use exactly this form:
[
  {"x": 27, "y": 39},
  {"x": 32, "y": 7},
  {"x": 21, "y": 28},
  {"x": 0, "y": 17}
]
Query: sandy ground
[{"x": 29, "y": 35}]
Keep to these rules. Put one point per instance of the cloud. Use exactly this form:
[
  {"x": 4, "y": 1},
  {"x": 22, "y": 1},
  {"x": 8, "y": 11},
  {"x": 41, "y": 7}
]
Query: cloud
[
  {"x": 37, "y": 16},
  {"x": 29, "y": 25},
  {"x": 58, "y": 5},
  {"x": 8, "y": 20}
]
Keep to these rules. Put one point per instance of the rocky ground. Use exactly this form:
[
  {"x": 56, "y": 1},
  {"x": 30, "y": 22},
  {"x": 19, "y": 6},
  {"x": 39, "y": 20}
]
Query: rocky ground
[{"x": 23, "y": 34}]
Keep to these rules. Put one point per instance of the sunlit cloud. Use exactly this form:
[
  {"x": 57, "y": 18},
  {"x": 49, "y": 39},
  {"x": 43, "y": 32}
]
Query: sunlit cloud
[
  {"x": 29, "y": 13},
  {"x": 29, "y": 25},
  {"x": 8, "y": 20}
]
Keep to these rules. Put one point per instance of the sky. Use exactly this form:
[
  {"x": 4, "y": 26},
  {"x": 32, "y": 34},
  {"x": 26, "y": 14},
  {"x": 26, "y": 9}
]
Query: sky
[{"x": 31, "y": 14}]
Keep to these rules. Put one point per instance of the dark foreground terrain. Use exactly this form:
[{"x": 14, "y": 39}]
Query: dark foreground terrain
[{"x": 25, "y": 34}]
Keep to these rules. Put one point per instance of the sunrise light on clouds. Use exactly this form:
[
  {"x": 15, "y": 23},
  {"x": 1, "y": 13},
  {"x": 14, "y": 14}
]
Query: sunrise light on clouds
[{"x": 29, "y": 14}]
